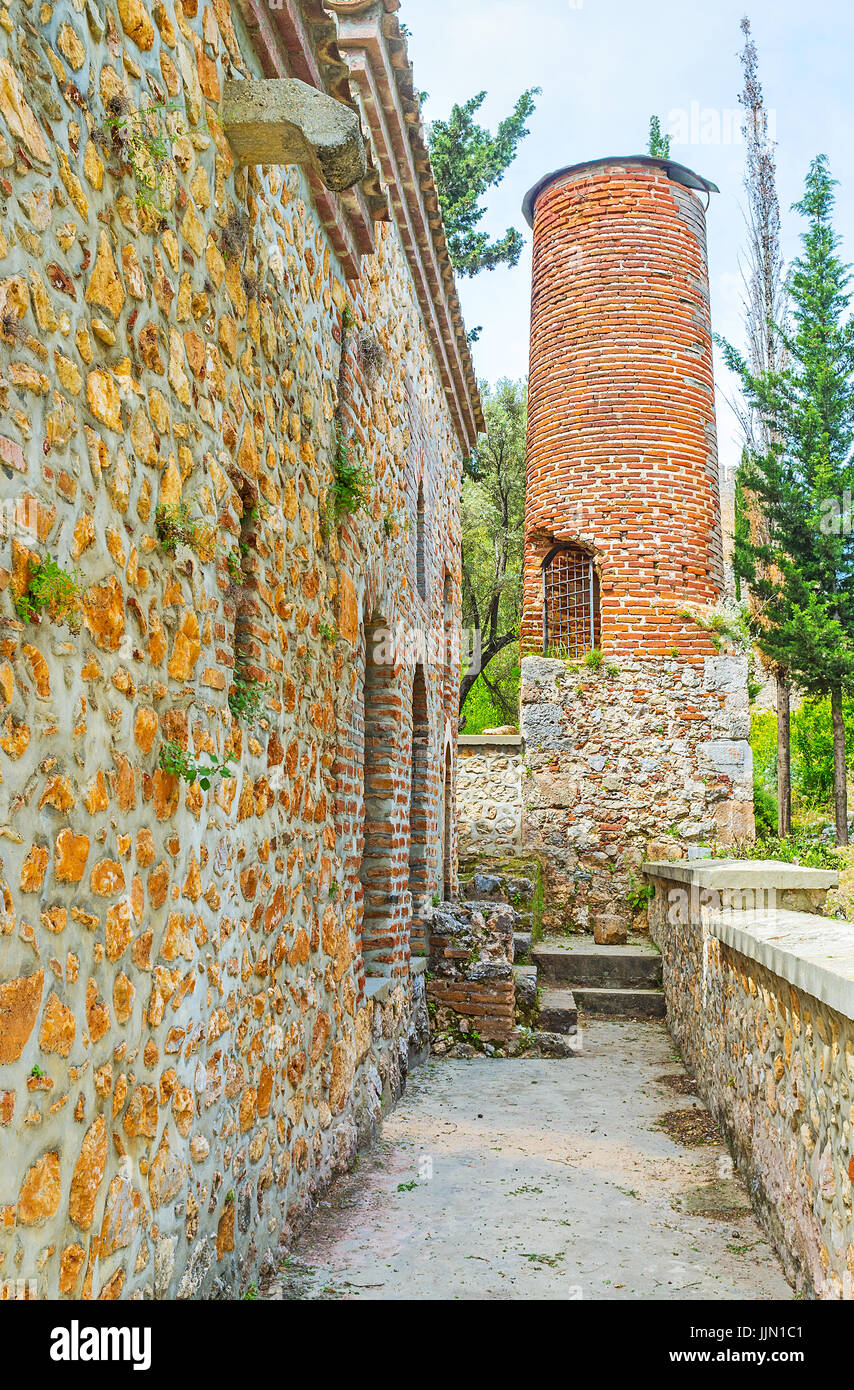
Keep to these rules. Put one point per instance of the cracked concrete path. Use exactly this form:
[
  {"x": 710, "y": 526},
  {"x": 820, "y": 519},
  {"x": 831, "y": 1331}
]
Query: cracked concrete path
[{"x": 546, "y": 1180}]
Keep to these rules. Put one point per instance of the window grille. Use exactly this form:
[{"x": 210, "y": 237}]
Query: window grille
[{"x": 570, "y": 604}]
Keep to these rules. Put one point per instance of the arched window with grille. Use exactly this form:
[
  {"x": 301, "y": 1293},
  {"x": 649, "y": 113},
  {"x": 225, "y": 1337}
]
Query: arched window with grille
[{"x": 571, "y": 623}]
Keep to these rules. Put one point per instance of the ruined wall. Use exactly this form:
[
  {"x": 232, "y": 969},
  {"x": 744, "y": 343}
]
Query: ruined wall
[
  {"x": 489, "y": 796},
  {"x": 189, "y": 1044},
  {"x": 639, "y": 759},
  {"x": 750, "y": 1002},
  {"x": 622, "y": 462}
]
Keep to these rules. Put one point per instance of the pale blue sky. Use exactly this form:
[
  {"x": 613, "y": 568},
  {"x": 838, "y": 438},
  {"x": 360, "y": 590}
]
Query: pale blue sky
[{"x": 605, "y": 66}]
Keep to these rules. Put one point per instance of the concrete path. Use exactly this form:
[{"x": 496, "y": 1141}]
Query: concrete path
[{"x": 546, "y": 1180}]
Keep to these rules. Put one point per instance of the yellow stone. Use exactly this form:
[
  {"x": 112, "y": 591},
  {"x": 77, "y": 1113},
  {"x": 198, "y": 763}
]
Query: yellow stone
[
  {"x": 41, "y": 303},
  {"x": 104, "y": 400},
  {"x": 70, "y": 46},
  {"x": 105, "y": 287},
  {"x": 40, "y": 1191},
  {"x": 136, "y": 23},
  {"x": 88, "y": 1174},
  {"x": 93, "y": 165},
  {"x": 67, "y": 373},
  {"x": 73, "y": 186},
  {"x": 19, "y": 118}
]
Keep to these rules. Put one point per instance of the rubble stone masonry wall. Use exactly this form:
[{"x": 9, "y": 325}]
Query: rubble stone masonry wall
[
  {"x": 190, "y": 1041},
  {"x": 761, "y": 1005},
  {"x": 639, "y": 759},
  {"x": 489, "y": 796}
]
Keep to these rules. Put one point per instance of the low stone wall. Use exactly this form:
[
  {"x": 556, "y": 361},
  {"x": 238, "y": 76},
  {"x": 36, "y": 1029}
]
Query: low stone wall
[
  {"x": 471, "y": 985},
  {"x": 760, "y": 999},
  {"x": 489, "y": 795}
]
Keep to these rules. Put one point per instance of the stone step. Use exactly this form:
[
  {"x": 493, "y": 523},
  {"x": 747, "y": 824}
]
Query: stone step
[
  {"x": 620, "y": 1003},
  {"x": 558, "y": 1011},
  {"x": 584, "y": 963}
]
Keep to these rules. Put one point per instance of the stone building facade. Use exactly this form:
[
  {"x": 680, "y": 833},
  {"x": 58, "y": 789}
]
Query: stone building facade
[
  {"x": 634, "y": 707},
  {"x": 207, "y": 991}
]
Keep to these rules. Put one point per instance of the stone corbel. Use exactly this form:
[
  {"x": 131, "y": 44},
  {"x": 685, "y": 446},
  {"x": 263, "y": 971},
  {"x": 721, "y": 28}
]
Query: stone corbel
[{"x": 283, "y": 121}]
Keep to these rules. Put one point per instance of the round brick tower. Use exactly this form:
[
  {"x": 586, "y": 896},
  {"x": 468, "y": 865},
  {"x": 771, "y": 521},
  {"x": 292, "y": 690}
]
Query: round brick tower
[
  {"x": 641, "y": 749},
  {"x": 622, "y": 452}
]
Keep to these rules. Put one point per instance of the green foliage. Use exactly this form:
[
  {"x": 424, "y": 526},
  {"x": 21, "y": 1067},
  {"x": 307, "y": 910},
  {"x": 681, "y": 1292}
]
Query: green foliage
[
  {"x": 329, "y": 632},
  {"x": 593, "y": 659},
  {"x": 467, "y": 161},
  {"x": 639, "y": 894},
  {"x": 798, "y": 848},
  {"x": 812, "y": 749},
  {"x": 172, "y": 525},
  {"x": 490, "y": 706},
  {"x": 812, "y": 756},
  {"x": 658, "y": 144},
  {"x": 37, "y": 1072},
  {"x": 145, "y": 139},
  {"x": 177, "y": 763},
  {"x": 351, "y": 482},
  {"x": 246, "y": 698},
  {"x": 803, "y": 573},
  {"x": 493, "y": 515},
  {"x": 50, "y": 591}
]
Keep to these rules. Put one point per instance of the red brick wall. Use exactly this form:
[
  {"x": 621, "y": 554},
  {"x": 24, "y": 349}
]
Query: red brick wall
[{"x": 622, "y": 452}]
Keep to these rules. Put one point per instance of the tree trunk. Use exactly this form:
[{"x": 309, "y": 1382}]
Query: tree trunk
[
  {"x": 840, "y": 782},
  {"x": 784, "y": 758}
]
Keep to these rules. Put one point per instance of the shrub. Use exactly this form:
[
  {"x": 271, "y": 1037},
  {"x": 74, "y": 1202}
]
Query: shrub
[
  {"x": 177, "y": 763},
  {"x": 50, "y": 590},
  {"x": 351, "y": 483},
  {"x": 246, "y": 699}
]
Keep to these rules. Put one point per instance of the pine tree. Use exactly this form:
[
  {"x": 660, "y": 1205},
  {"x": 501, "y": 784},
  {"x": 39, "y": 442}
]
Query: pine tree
[
  {"x": 801, "y": 472},
  {"x": 467, "y": 161}
]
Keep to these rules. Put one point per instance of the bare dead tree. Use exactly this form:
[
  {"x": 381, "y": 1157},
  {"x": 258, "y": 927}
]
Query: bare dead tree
[{"x": 764, "y": 309}]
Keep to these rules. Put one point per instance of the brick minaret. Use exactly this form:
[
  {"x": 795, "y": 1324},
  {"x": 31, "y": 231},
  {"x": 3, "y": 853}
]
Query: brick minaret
[{"x": 623, "y": 544}]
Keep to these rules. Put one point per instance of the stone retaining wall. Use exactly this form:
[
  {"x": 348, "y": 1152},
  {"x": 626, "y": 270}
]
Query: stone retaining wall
[
  {"x": 489, "y": 795},
  {"x": 761, "y": 1003}
]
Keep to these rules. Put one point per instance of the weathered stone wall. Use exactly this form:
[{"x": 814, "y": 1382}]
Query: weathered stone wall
[
  {"x": 750, "y": 1001},
  {"x": 470, "y": 993},
  {"x": 489, "y": 796},
  {"x": 643, "y": 758},
  {"x": 189, "y": 1045}
]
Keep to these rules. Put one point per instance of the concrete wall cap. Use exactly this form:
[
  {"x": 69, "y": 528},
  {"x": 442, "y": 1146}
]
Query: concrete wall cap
[
  {"x": 814, "y": 954},
  {"x": 490, "y": 741},
  {"x": 741, "y": 873}
]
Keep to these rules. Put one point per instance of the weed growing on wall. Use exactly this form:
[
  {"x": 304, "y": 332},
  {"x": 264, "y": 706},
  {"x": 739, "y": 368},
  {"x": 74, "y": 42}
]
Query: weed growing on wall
[
  {"x": 177, "y": 763},
  {"x": 145, "y": 139},
  {"x": 351, "y": 483},
  {"x": 174, "y": 526},
  {"x": 52, "y": 592},
  {"x": 246, "y": 700}
]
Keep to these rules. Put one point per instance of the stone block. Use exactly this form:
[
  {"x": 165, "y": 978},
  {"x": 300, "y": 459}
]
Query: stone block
[{"x": 283, "y": 121}]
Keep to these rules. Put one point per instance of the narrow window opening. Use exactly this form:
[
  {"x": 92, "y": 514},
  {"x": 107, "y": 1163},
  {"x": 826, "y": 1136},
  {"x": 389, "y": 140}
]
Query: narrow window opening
[{"x": 571, "y": 621}]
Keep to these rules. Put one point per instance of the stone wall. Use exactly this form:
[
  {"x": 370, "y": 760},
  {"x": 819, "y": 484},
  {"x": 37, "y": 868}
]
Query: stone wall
[
  {"x": 489, "y": 795},
  {"x": 638, "y": 758},
  {"x": 471, "y": 992},
  {"x": 190, "y": 1041},
  {"x": 761, "y": 1004}
]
